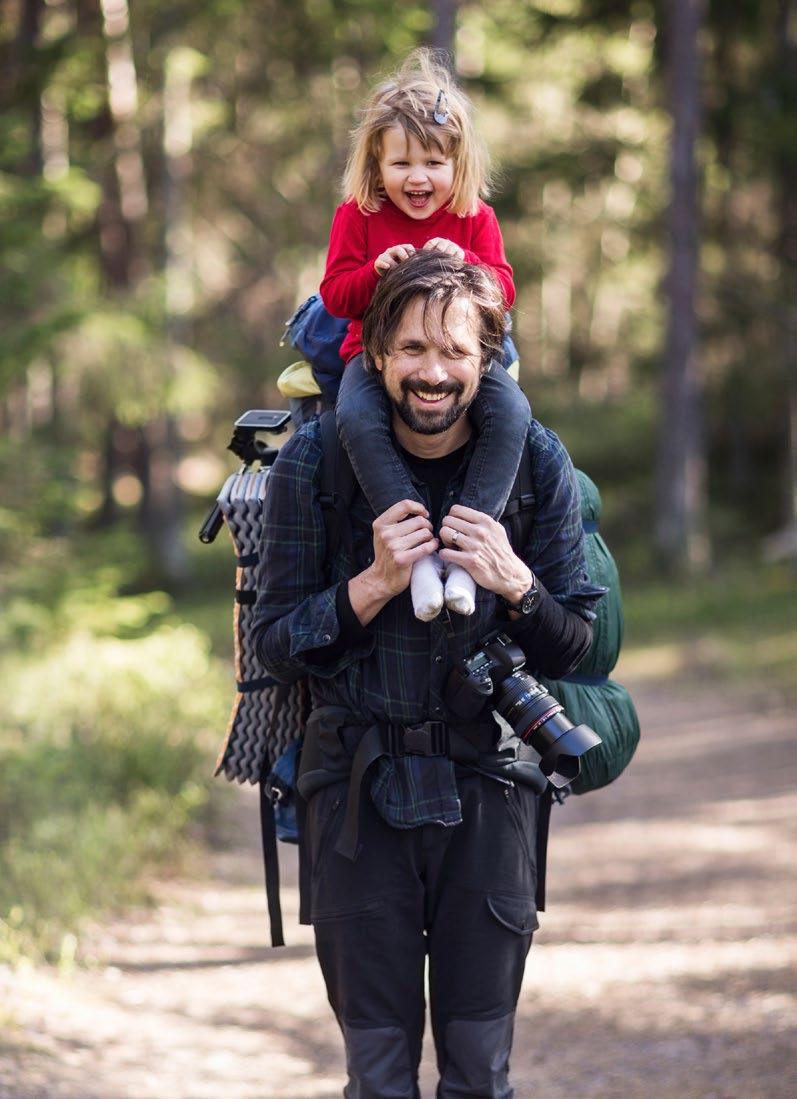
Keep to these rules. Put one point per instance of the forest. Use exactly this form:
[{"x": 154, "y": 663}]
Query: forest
[{"x": 168, "y": 173}]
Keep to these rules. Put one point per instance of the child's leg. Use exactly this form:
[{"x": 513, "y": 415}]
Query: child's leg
[
  {"x": 363, "y": 419},
  {"x": 501, "y": 415}
]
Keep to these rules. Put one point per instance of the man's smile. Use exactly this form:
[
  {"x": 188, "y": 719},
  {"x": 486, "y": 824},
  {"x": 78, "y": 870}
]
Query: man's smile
[{"x": 429, "y": 396}]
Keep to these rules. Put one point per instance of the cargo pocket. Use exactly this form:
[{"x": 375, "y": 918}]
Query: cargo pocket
[{"x": 516, "y": 913}]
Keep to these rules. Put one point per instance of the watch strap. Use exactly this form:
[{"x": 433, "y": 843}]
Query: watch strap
[{"x": 527, "y": 602}]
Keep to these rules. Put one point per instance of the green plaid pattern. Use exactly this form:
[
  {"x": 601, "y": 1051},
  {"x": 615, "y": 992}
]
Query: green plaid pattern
[{"x": 397, "y": 672}]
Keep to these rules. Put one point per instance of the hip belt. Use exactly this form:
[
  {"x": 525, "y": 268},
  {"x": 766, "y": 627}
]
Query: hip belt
[
  {"x": 325, "y": 759},
  {"x": 430, "y": 738}
]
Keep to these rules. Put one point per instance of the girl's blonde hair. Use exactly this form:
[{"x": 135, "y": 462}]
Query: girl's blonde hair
[{"x": 421, "y": 88}]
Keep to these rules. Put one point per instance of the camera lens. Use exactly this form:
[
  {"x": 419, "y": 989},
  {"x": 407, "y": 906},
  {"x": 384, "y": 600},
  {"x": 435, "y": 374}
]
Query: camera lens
[
  {"x": 540, "y": 721},
  {"x": 524, "y": 703}
]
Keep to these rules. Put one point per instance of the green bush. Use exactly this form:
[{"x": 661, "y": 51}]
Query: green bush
[{"x": 106, "y": 750}]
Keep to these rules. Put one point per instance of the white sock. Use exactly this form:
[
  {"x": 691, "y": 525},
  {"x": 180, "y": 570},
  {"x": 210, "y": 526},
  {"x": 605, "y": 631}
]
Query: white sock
[
  {"x": 426, "y": 587},
  {"x": 460, "y": 590}
]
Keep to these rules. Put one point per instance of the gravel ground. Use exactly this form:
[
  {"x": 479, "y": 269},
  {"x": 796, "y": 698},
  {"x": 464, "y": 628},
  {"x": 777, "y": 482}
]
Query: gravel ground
[{"x": 664, "y": 968}]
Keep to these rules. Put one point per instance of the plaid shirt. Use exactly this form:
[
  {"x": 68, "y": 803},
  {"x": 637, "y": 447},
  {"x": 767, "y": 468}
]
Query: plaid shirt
[{"x": 395, "y": 670}]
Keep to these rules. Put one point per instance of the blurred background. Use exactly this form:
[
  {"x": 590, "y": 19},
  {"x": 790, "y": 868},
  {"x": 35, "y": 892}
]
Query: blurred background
[{"x": 168, "y": 174}]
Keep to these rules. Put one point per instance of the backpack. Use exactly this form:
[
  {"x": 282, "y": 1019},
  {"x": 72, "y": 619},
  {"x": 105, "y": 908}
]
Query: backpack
[
  {"x": 314, "y": 332},
  {"x": 267, "y": 722},
  {"x": 268, "y": 718},
  {"x": 588, "y": 695}
]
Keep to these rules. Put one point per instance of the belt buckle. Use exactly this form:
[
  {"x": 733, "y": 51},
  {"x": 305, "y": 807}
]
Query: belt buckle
[{"x": 419, "y": 739}]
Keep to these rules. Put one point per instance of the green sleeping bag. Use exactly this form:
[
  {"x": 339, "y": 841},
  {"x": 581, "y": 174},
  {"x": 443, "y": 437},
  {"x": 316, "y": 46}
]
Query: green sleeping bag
[{"x": 589, "y": 697}]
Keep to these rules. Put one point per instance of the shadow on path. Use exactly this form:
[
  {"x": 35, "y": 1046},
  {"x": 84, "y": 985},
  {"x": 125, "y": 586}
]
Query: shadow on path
[{"x": 664, "y": 967}]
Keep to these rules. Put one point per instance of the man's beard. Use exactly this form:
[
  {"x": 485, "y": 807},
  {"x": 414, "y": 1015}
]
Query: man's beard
[{"x": 430, "y": 421}]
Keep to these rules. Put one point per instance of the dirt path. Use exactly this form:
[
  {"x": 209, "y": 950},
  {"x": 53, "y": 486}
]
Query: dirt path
[{"x": 665, "y": 966}]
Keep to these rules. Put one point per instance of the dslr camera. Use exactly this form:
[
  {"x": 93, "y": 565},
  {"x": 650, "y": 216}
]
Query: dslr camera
[{"x": 494, "y": 674}]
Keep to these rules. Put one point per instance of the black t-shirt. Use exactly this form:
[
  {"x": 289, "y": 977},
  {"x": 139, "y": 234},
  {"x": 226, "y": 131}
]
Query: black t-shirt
[{"x": 435, "y": 473}]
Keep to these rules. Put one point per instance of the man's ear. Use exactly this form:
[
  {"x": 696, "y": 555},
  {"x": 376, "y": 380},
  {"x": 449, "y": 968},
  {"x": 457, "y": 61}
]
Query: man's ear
[{"x": 378, "y": 363}]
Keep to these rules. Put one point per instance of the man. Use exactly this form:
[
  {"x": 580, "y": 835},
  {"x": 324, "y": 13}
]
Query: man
[{"x": 418, "y": 843}]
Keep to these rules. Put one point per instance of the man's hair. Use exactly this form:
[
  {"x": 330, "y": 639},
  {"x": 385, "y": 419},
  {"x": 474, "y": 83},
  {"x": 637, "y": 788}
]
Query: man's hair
[
  {"x": 439, "y": 280},
  {"x": 421, "y": 88}
]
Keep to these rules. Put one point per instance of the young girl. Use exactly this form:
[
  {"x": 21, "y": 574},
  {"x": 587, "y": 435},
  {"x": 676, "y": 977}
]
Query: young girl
[{"x": 413, "y": 181}]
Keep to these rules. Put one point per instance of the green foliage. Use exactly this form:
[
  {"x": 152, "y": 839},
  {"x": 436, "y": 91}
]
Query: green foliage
[
  {"x": 106, "y": 749},
  {"x": 108, "y": 729},
  {"x": 738, "y": 624}
]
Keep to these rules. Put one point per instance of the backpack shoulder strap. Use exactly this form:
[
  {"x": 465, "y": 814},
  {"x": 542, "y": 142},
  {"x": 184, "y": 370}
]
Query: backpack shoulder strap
[
  {"x": 338, "y": 485},
  {"x": 522, "y": 502}
]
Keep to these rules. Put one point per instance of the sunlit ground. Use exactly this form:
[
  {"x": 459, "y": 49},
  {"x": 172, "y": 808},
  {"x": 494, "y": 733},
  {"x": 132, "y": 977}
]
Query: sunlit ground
[{"x": 664, "y": 967}]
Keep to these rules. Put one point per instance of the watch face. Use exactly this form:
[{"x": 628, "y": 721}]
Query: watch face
[{"x": 529, "y": 601}]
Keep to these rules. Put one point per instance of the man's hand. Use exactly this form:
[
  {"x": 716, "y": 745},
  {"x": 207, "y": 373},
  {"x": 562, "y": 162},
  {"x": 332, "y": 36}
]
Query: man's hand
[
  {"x": 392, "y": 257},
  {"x": 481, "y": 546},
  {"x": 402, "y": 536},
  {"x": 447, "y": 247}
]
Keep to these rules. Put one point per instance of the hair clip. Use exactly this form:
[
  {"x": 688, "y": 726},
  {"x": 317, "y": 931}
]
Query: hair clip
[{"x": 440, "y": 113}]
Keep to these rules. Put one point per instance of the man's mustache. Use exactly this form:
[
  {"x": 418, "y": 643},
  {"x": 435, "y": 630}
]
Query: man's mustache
[{"x": 450, "y": 386}]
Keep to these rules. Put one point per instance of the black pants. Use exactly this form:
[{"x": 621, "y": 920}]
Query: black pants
[{"x": 464, "y": 897}]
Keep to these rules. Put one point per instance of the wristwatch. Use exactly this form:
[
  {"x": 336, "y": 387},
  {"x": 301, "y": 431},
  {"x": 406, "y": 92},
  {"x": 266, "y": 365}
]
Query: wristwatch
[{"x": 527, "y": 602}]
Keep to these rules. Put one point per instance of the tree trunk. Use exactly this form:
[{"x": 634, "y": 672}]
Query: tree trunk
[
  {"x": 787, "y": 254},
  {"x": 122, "y": 215},
  {"x": 165, "y": 499},
  {"x": 681, "y": 497},
  {"x": 22, "y": 71},
  {"x": 107, "y": 513},
  {"x": 443, "y": 32}
]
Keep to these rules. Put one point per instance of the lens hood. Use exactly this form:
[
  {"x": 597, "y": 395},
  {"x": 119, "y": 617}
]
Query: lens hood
[{"x": 559, "y": 760}]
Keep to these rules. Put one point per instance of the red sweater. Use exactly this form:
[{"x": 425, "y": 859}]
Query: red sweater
[{"x": 356, "y": 239}]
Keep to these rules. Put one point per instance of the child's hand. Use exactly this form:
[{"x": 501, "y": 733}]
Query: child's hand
[
  {"x": 392, "y": 257},
  {"x": 447, "y": 247}
]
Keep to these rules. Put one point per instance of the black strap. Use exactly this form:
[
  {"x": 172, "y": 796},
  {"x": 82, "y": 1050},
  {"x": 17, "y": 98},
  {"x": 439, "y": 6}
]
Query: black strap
[
  {"x": 268, "y": 837},
  {"x": 245, "y": 598},
  {"x": 268, "y": 830},
  {"x": 521, "y": 503},
  {"x": 247, "y": 686},
  {"x": 304, "y": 858},
  {"x": 338, "y": 485},
  {"x": 248, "y": 559},
  {"x": 584, "y": 680},
  {"x": 543, "y": 824},
  {"x": 369, "y": 750}
]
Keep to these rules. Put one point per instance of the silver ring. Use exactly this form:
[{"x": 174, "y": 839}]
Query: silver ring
[{"x": 455, "y": 537}]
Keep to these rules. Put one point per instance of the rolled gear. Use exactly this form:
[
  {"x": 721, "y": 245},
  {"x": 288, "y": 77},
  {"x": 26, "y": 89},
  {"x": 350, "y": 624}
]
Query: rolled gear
[
  {"x": 266, "y": 717},
  {"x": 588, "y": 695}
]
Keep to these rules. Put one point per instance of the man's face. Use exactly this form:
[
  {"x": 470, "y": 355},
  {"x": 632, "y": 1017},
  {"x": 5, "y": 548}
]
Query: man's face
[{"x": 429, "y": 386}]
